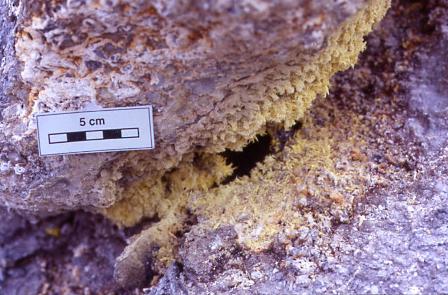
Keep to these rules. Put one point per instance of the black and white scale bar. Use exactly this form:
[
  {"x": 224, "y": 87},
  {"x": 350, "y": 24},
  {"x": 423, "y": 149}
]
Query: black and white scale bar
[
  {"x": 93, "y": 135},
  {"x": 95, "y": 131}
]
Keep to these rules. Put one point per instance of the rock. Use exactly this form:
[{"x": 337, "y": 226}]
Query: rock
[
  {"x": 391, "y": 108},
  {"x": 217, "y": 73},
  {"x": 67, "y": 254}
]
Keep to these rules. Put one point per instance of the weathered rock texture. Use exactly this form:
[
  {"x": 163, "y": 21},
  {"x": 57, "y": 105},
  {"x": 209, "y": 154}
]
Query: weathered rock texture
[
  {"x": 384, "y": 124},
  {"x": 356, "y": 201},
  {"x": 216, "y": 72},
  {"x": 67, "y": 254}
]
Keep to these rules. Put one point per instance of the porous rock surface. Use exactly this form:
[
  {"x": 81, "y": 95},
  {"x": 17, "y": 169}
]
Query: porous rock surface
[
  {"x": 393, "y": 242},
  {"x": 385, "y": 122},
  {"x": 216, "y": 73},
  {"x": 392, "y": 239}
]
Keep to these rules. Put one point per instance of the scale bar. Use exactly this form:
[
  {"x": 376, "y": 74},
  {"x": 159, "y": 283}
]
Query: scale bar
[
  {"x": 78, "y": 136},
  {"x": 92, "y": 135}
]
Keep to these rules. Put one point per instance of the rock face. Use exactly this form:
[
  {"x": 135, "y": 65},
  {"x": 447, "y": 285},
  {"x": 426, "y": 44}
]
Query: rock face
[
  {"x": 66, "y": 254},
  {"x": 217, "y": 74},
  {"x": 385, "y": 123},
  {"x": 364, "y": 213}
]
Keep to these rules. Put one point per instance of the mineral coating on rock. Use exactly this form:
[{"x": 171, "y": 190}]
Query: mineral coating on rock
[
  {"x": 217, "y": 72},
  {"x": 350, "y": 201}
]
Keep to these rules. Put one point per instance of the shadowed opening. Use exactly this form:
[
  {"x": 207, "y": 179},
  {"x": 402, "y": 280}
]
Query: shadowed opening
[{"x": 245, "y": 160}]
